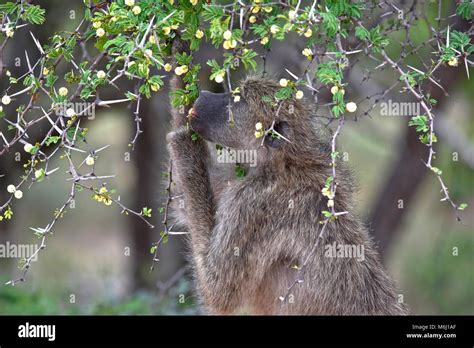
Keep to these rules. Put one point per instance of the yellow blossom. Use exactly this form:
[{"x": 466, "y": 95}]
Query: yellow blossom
[
  {"x": 199, "y": 34},
  {"x": 90, "y": 161},
  {"x": 180, "y": 70},
  {"x": 219, "y": 78},
  {"x": 148, "y": 53},
  {"x": 6, "y": 100},
  {"x": 28, "y": 147},
  {"x": 307, "y": 52},
  {"x": 227, "y": 35},
  {"x": 351, "y": 107},
  {"x": 255, "y": 9},
  {"x": 453, "y": 62},
  {"x": 63, "y": 91},
  {"x": 70, "y": 112},
  {"x": 136, "y": 10}
]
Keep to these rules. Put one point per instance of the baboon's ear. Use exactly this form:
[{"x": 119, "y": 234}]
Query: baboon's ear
[{"x": 282, "y": 128}]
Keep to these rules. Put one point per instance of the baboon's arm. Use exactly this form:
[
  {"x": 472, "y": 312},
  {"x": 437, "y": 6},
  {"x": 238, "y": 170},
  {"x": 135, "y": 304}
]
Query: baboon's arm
[
  {"x": 216, "y": 277},
  {"x": 190, "y": 160}
]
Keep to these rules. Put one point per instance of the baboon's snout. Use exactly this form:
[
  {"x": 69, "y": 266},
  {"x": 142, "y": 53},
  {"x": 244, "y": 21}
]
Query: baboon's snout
[
  {"x": 209, "y": 114},
  {"x": 211, "y": 106}
]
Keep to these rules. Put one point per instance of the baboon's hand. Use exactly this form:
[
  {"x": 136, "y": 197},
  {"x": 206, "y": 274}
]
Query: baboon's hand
[
  {"x": 178, "y": 136},
  {"x": 172, "y": 137}
]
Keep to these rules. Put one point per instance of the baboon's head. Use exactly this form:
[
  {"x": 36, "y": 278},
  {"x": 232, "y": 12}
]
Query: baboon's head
[{"x": 219, "y": 119}]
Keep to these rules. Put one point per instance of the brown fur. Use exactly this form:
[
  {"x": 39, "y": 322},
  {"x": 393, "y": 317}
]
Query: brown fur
[{"x": 252, "y": 215}]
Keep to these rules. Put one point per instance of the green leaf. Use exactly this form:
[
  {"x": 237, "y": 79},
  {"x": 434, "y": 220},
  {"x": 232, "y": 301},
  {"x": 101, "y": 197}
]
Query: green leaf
[
  {"x": 164, "y": 235},
  {"x": 329, "y": 180},
  {"x": 40, "y": 175},
  {"x": 330, "y": 23},
  {"x": 52, "y": 140},
  {"x": 284, "y": 93},
  {"x": 9, "y": 7},
  {"x": 146, "y": 212},
  {"x": 240, "y": 171},
  {"x": 72, "y": 131},
  {"x": 326, "y": 214},
  {"x": 34, "y": 14},
  {"x": 51, "y": 80},
  {"x": 267, "y": 99},
  {"x": 361, "y": 33},
  {"x": 248, "y": 59},
  {"x": 465, "y": 9},
  {"x": 328, "y": 73},
  {"x": 211, "y": 12},
  {"x": 194, "y": 136},
  {"x": 420, "y": 122}
]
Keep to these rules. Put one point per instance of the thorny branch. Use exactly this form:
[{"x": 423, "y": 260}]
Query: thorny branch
[{"x": 344, "y": 51}]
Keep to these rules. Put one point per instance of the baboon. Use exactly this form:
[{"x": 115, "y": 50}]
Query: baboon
[{"x": 248, "y": 235}]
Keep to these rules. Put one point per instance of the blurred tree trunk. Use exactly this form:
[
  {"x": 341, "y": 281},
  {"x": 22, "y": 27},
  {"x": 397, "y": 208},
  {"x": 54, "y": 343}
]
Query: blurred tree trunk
[
  {"x": 150, "y": 161},
  {"x": 146, "y": 157}
]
